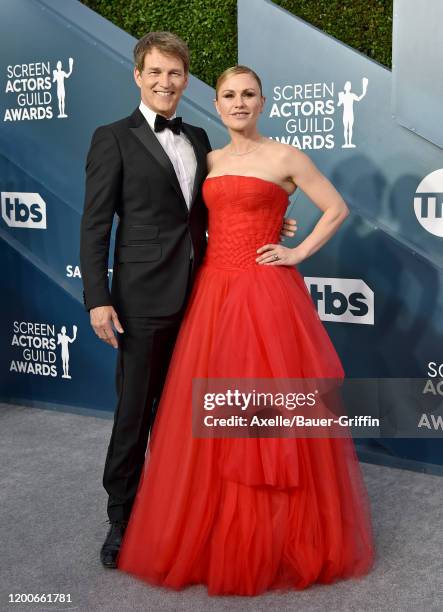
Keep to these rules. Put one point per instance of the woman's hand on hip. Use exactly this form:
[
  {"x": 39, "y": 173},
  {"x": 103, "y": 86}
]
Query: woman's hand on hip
[{"x": 279, "y": 255}]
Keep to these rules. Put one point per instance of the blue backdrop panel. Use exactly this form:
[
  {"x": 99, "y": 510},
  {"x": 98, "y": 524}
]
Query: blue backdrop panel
[
  {"x": 317, "y": 90},
  {"x": 417, "y": 57},
  {"x": 31, "y": 358},
  {"x": 42, "y": 157}
]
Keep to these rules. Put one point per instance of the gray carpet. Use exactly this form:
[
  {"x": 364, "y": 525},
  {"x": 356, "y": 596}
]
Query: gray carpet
[{"x": 53, "y": 524}]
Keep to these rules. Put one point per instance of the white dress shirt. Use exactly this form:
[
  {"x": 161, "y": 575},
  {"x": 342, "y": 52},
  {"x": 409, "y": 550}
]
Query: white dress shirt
[{"x": 179, "y": 150}]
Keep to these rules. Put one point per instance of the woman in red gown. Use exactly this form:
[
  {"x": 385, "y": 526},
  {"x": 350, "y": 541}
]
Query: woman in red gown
[{"x": 245, "y": 515}]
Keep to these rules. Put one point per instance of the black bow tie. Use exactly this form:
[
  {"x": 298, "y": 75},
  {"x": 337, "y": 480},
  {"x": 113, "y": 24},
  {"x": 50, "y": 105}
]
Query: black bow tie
[{"x": 161, "y": 123}]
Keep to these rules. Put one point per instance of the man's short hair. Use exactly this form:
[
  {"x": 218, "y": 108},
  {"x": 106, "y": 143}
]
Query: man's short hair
[{"x": 166, "y": 42}]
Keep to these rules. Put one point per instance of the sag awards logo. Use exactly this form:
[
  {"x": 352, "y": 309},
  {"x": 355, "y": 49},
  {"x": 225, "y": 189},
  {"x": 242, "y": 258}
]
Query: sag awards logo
[
  {"x": 434, "y": 383},
  {"x": 428, "y": 203},
  {"x": 72, "y": 271},
  {"x": 36, "y": 91},
  {"x": 41, "y": 350},
  {"x": 23, "y": 209},
  {"x": 433, "y": 389},
  {"x": 342, "y": 300},
  {"x": 309, "y": 111}
]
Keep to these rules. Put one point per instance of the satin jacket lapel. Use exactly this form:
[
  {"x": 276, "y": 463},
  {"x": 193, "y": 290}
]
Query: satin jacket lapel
[
  {"x": 149, "y": 140},
  {"x": 200, "y": 154}
]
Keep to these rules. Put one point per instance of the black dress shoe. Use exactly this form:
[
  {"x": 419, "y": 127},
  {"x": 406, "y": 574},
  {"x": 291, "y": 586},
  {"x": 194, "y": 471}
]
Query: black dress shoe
[{"x": 109, "y": 551}]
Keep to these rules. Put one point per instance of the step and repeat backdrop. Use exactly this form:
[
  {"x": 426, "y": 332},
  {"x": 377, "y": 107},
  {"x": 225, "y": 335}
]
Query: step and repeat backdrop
[{"x": 376, "y": 134}]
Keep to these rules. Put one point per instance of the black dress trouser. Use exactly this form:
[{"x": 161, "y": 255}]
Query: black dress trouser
[{"x": 144, "y": 353}]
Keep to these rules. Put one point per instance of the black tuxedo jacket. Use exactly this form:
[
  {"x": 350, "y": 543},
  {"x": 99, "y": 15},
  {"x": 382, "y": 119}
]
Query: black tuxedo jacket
[{"x": 129, "y": 174}]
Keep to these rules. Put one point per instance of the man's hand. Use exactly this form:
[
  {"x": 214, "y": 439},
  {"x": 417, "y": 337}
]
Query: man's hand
[
  {"x": 102, "y": 318},
  {"x": 289, "y": 227}
]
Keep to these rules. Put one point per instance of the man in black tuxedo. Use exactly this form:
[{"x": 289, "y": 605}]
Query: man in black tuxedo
[{"x": 147, "y": 169}]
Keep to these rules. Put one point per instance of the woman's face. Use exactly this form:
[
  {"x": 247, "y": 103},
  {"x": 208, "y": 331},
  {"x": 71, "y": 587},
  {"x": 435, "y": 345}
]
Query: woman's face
[{"x": 239, "y": 102}]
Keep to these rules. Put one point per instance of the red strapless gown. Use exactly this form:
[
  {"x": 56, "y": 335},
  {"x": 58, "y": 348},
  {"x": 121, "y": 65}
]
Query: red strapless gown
[{"x": 245, "y": 515}]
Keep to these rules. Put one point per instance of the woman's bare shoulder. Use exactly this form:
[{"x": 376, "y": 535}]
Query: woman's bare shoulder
[
  {"x": 285, "y": 151},
  {"x": 213, "y": 156}
]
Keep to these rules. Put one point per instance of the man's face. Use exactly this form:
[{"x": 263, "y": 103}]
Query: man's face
[{"x": 162, "y": 82}]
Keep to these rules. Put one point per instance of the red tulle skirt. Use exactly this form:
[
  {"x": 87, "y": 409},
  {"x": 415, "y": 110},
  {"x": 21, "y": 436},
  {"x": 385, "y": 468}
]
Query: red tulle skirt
[{"x": 247, "y": 515}]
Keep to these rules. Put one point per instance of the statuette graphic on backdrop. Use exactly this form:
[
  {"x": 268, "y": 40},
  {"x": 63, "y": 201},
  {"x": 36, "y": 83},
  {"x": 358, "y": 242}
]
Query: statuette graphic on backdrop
[
  {"x": 346, "y": 99},
  {"x": 64, "y": 340}
]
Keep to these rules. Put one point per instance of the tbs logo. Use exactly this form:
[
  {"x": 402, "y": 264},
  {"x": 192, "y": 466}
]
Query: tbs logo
[
  {"x": 428, "y": 203},
  {"x": 23, "y": 210},
  {"x": 343, "y": 300}
]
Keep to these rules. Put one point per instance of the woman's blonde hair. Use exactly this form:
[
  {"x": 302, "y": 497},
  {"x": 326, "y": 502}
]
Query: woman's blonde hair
[{"x": 233, "y": 70}]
